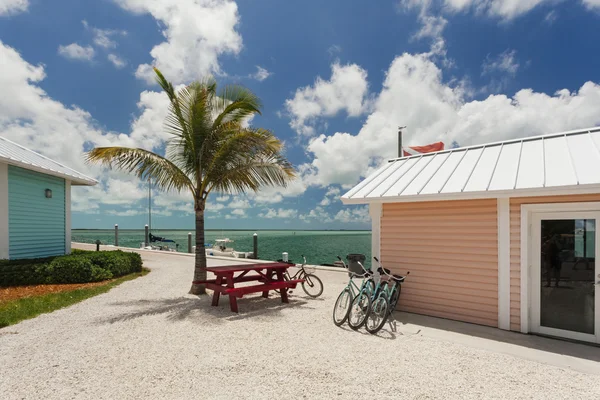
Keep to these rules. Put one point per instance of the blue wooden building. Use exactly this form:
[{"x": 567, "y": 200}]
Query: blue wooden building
[{"x": 35, "y": 203}]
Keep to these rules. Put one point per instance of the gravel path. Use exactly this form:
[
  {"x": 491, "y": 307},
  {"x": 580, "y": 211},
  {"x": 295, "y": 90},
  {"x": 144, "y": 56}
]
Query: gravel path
[{"x": 147, "y": 339}]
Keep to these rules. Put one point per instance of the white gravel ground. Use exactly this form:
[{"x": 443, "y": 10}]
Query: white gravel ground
[{"x": 148, "y": 339}]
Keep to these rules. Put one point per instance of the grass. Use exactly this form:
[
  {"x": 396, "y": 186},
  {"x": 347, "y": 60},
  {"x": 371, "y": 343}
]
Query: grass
[{"x": 15, "y": 311}]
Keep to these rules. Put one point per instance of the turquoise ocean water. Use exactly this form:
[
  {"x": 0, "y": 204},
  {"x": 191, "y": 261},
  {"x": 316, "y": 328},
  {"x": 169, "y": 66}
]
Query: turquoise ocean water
[{"x": 319, "y": 247}]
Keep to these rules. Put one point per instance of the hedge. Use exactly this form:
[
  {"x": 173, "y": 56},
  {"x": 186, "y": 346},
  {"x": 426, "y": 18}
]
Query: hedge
[{"x": 79, "y": 267}]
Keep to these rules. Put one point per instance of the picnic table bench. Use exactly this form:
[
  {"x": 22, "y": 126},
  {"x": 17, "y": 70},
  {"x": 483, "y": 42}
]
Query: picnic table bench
[{"x": 270, "y": 275}]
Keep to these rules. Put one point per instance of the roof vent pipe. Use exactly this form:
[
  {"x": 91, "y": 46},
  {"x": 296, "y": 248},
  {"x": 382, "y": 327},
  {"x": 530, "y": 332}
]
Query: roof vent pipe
[{"x": 400, "y": 152}]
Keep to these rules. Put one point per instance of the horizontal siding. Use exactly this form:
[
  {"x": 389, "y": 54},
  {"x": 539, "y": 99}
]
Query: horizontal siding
[
  {"x": 515, "y": 246},
  {"x": 36, "y": 224},
  {"x": 451, "y": 251}
]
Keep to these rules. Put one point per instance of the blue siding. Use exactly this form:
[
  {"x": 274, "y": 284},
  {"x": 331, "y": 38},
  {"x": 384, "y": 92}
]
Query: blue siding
[{"x": 36, "y": 225}]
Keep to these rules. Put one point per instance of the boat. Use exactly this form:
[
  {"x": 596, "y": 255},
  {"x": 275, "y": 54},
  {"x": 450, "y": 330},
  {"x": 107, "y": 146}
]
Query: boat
[
  {"x": 223, "y": 248},
  {"x": 157, "y": 243}
]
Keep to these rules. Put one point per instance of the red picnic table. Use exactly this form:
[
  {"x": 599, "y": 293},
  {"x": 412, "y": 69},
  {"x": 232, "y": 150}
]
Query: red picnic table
[{"x": 270, "y": 276}]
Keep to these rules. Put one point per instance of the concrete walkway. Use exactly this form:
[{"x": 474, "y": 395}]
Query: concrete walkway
[{"x": 148, "y": 338}]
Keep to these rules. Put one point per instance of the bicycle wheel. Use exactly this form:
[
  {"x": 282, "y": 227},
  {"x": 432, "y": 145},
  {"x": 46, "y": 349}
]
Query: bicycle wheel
[
  {"x": 312, "y": 285},
  {"x": 341, "y": 309},
  {"x": 359, "y": 310},
  {"x": 378, "y": 315}
]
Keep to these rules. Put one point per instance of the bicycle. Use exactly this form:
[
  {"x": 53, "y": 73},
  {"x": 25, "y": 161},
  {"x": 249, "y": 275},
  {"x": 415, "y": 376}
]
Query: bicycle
[
  {"x": 312, "y": 285},
  {"x": 361, "y": 304},
  {"x": 341, "y": 309},
  {"x": 385, "y": 299}
]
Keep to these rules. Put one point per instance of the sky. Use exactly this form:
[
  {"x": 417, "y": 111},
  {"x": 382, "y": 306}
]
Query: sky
[{"x": 336, "y": 79}]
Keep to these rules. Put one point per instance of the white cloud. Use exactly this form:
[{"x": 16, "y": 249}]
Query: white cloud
[
  {"x": 117, "y": 61},
  {"x": 214, "y": 207},
  {"x": 272, "y": 195},
  {"x": 552, "y": 16},
  {"x": 317, "y": 214},
  {"x": 346, "y": 90},
  {"x": 261, "y": 74},
  {"x": 239, "y": 204},
  {"x": 196, "y": 33},
  {"x": 330, "y": 195},
  {"x": 591, "y": 3},
  {"x": 30, "y": 117},
  {"x": 334, "y": 49},
  {"x": 11, "y": 7},
  {"x": 279, "y": 213},
  {"x": 104, "y": 37},
  {"x": 222, "y": 198},
  {"x": 236, "y": 214},
  {"x": 350, "y": 214},
  {"x": 74, "y": 51},
  {"x": 505, "y": 9},
  {"x": 505, "y": 62},
  {"x": 126, "y": 213},
  {"x": 436, "y": 110}
]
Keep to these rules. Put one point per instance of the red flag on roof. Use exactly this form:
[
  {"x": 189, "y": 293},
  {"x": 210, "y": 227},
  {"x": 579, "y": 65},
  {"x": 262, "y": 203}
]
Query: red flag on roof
[{"x": 429, "y": 148}]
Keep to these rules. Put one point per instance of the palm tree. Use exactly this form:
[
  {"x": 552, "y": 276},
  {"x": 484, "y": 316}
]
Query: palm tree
[{"x": 210, "y": 150}]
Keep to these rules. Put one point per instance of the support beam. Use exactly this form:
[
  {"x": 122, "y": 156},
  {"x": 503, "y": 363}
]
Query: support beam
[
  {"x": 4, "y": 238},
  {"x": 376, "y": 211},
  {"x": 504, "y": 263},
  {"x": 67, "y": 217}
]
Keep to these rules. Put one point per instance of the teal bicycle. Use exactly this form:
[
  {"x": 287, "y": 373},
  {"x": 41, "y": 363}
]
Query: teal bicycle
[
  {"x": 385, "y": 298},
  {"x": 361, "y": 304},
  {"x": 341, "y": 309}
]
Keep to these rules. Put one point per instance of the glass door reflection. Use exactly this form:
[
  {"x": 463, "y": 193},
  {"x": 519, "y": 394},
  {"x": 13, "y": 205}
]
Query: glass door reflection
[{"x": 568, "y": 261}]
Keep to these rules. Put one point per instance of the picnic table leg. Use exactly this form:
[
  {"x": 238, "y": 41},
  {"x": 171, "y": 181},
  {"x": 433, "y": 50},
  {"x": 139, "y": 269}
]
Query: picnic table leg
[
  {"x": 284, "y": 296},
  {"x": 232, "y": 299},
  {"x": 216, "y": 293},
  {"x": 269, "y": 276}
]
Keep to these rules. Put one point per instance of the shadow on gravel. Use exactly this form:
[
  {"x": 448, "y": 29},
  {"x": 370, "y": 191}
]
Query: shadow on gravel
[
  {"x": 198, "y": 308},
  {"x": 574, "y": 349},
  {"x": 383, "y": 333}
]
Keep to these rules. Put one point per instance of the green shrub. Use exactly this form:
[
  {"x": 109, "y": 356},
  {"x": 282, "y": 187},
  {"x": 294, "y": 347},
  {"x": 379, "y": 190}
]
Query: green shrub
[
  {"x": 79, "y": 267},
  {"x": 75, "y": 269},
  {"x": 22, "y": 274}
]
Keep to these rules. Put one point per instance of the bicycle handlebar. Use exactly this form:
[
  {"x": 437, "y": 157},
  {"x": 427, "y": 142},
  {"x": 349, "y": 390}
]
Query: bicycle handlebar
[{"x": 382, "y": 268}]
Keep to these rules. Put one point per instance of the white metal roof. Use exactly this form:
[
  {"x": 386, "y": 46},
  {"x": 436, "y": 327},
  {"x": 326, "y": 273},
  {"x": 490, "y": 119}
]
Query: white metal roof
[
  {"x": 560, "y": 163},
  {"x": 15, "y": 154}
]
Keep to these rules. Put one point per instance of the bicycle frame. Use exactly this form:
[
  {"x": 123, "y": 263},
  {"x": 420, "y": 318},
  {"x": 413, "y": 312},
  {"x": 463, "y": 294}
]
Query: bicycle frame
[
  {"x": 298, "y": 274},
  {"x": 352, "y": 286}
]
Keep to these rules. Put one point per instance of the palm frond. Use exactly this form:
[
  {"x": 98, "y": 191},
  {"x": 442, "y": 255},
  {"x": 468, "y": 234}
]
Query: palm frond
[
  {"x": 246, "y": 160},
  {"x": 234, "y": 104},
  {"x": 144, "y": 164}
]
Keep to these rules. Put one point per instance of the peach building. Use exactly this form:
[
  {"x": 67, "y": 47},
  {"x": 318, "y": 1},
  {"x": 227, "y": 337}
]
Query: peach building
[{"x": 501, "y": 234}]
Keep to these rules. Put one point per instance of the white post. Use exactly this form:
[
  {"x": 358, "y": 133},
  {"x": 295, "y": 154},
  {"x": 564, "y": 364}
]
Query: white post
[
  {"x": 255, "y": 245},
  {"x": 146, "y": 236},
  {"x": 503, "y": 210},
  {"x": 67, "y": 217},
  {"x": 4, "y": 243},
  {"x": 189, "y": 242},
  {"x": 116, "y": 235},
  {"x": 376, "y": 211}
]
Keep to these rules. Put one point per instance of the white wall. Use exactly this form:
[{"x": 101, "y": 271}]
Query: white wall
[
  {"x": 3, "y": 211},
  {"x": 375, "y": 210}
]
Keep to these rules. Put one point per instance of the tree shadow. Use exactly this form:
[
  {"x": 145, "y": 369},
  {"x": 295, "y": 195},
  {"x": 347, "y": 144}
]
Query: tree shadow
[{"x": 198, "y": 308}]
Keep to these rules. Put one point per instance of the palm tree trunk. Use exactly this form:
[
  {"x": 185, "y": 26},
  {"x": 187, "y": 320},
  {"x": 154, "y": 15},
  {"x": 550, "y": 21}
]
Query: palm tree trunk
[{"x": 199, "y": 271}]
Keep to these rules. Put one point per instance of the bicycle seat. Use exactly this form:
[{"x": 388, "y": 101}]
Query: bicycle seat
[{"x": 384, "y": 270}]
